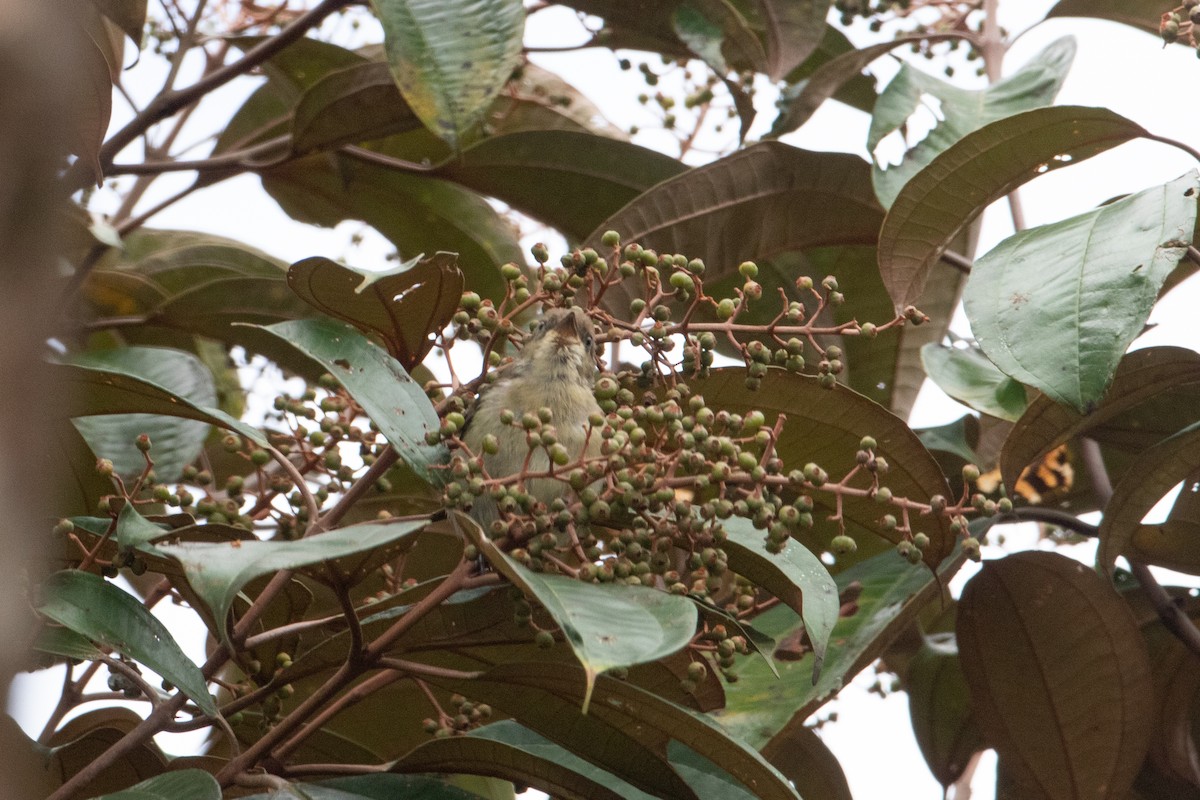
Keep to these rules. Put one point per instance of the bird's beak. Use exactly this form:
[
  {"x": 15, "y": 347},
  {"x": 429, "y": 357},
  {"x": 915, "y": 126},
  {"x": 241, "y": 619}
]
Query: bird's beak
[{"x": 568, "y": 325}]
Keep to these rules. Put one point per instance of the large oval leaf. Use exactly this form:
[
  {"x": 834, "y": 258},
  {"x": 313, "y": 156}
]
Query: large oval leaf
[
  {"x": 966, "y": 375},
  {"x": 90, "y": 605},
  {"x": 794, "y": 29},
  {"x": 176, "y": 442},
  {"x": 811, "y": 767},
  {"x": 450, "y": 58},
  {"x": 1149, "y": 477},
  {"x": 961, "y": 110},
  {"x": 593, "y": 176},
  {"x": 1059, "y": 677},
  {"x": 1057, "y": 306},
  {"x": 796, "y": 576},
  {"x": 983, "y": 166},
  {"x": 606, "y": 625},
  {"x": 768, "y": 199},
  {"x": 1141, "y": 375},
  {"x": 1144, "y": 15},
  {"x": 393, "y": 400},
  {"x": 404, "y": 306},
  {"x": 940, "y": 709},
  {"x": 354, "y": 104}
]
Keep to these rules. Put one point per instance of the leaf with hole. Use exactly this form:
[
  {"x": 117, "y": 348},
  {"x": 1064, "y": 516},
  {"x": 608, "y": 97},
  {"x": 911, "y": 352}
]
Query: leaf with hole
[
  {"x": 1057, "y": 306},
  {"x": 1031, "y": 627},
  {"x": 93, "y": 607}
]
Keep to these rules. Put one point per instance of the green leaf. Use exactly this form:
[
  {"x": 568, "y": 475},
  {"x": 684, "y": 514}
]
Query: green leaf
[
  {"x": 794, "y": 30},
  {"x": 1144, "y": 15},
  {"x": 761, "y": 708},
  {"x": 804, "y": 760},
  {"x": 961, "y": 110},
  {"x": 983, "y": 166},
  {"x": 350, "y": 105},
  {"x": 175, "y": 443},
  {"x": 113, "y": 390},
  {"x": 404, "y": 306},
  {"x": 451, "y": 58},
  {"x": 1030, "y": 626},
  {"x": 93, "y": 607},
  {"x": 1140, "y": 376},
  {"x": 940, "y": 708},
  {"x": 507, "y": 749},
  {"x": 128, "y": 15},
  {"x": 796, "y": 576},
  {"x": 372, "y": 787},
  {"x": 706, "y": 779},
  {"x": 802, "y": 99},
  {"x": 768, "y": 199},
  {"x": 702, "y": 35},
  {"x": 72, "y": 465},
  {"x": 1096, "y": 276},
  {"x": 376, "y": 381},
  {"x": 218, "y": 571},
  {"x": 825, "y": 426},
  {"x": 958, "y": 438},
  {"x": 606, "y": 625},
  {"x": 66, "y": 643},
  {"x": 965, "y": 374},
  {"x": 1151, "y": 475},
  {"x": 593, "y": 176},
  {"x": 184, "y": 784}
]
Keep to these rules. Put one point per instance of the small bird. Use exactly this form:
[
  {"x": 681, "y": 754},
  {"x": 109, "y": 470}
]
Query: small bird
[{"x": 555, "y": 369}]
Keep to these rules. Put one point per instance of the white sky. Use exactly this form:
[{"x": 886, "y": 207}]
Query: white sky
[{"x": 1117, "y": 67}]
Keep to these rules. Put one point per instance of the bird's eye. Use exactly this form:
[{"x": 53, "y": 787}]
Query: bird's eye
[{"x": 588, "y": 341}]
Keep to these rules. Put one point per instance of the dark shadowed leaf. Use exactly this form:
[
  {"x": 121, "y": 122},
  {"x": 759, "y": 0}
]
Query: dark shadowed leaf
[
  {"x": 961, "y": 110},
  {"x": 537, "y": 99},
  {"x": 78, "y": 486},
  {"x": 509, "y": 750},
  {"x": 796, "y": 576},
  {"x": 980, "y": 168},
  {"x": 184, "y": 784},
  {"x": 451, "y": 59},
  {"x": 91, "y": 97},
  {"x": 794, "y": 29},
  {"x": 825, "y": 427},
  {"x": 373, "y": 787},
  {"x": 1096, "y": 276},
  {"x": 707, "y": 780},
  {"x": 128, "y": 15},
  {"x": 592, "y": 176},
  {"x": 1144, "y": 15},
  {"x": 606, "y": 625},
  {"x": 217, "y": 572},
  {"x": 940, "y": 708},
  {"x": 804, "y": 98},
  {"x": 349, "y": 105},
  {"x": 858, "y": 92},
  {"x": 393, "y": 400},
  {"x": 1151, "y": 475},
  {"x": 768, "y": 199},
  {"x": 176, "y": 443},
  {"x": 93, "y": 607},
  {"x": 1142, "y": 375},
  {"x": 965, "y": 374},
  {"x": 804, "y": 760},
  {"x": 404, "y": 306},
  {"x": 66, "y": 643},
  {"x": 1029, "y": 626},
  {"x": 1174, "y": 543},
  {"x": 81, "y": 740}
]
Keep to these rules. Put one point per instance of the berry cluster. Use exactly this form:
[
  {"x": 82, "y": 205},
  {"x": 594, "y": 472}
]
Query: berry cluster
[{"x": 1180, "y": 25}]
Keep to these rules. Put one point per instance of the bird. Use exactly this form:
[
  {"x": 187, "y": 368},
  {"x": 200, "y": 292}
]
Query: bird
[{"x": 554, "y": 370}]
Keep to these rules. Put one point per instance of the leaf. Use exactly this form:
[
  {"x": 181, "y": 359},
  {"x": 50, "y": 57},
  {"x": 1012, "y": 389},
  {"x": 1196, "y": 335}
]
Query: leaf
[
  {"x": 1096, "y": 277},
  {"x": 1029, "y": 627},
  {"x": 983, "y": 166},
  {"x": 349, "y": 105},
  {"x": 376, "y": 381},
  {"x": 801, "y": 100},
  {"x": 1175, "y": 543},
  {"x": 966, "y": 375},
  {"x": 593, "y": 176},
  {"x": 1144, "y": 15},
  {"x": 73, "y": 467},
  {"x": 825, "y": 427},
  {"x": 607, "y": 626},
  {"x": 82, "y": 739},
  {"x": 961, "y": 110},
  {"x": 627, "y": 730},
  {"x": 761, "y": 708},
  {"x": 404, "y": 306},
  {"x": 110, "y": 390},
  {"x": 708, "y": 780},
  {"x": 451, "y": 58},
  {"x": 767, "y": 199},
  {"x": 218, "y": 571},
  {"x": 91, "y": 98},
  {"x": 507, "y": 749},
  {"x": 1140, "y": 376},
  {"x": 858, "y": 92},
  {"x": 175, "y": 443},
  {"x": 794, "y": 29},
  {"x": 804, "y": 760},
  {"x": 940, "y": 708},
  {"x": 184, "y": 784},
  {"x": 372, "y": 787},
  {"x": 957, "y": 438},
  {"x": 128, "y": 15},
  {"x": 66, "y": 643},
  {"x": 91, "y": 606},
  {"x": 702, "y": 35},
  {"x": 796, "y": 576},
  {"x": 1151, "y": 475}
]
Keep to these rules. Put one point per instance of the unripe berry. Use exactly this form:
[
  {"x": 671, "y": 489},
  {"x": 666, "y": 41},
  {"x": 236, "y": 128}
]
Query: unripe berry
[
  {"x": 970, "y": 473},
  {"x": 748, "y": 269},
  {"x": 726, "y": 309},
  {"x": 683, "y": 281},
  {"x": 843, "y": 545},
  {"x": 610, "y": 239},
  {"x": 143, "y": 442},
  {"x": 540, "y": 252}
]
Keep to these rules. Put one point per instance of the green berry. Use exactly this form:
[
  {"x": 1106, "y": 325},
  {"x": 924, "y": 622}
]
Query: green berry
[
  {"x": 748, "y": 269},
  {"x": 610, "y": 239}
]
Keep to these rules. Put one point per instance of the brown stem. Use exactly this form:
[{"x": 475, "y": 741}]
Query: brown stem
[
  {"x": 376, "y": 471},
  {"x": 356, "y": 695}
]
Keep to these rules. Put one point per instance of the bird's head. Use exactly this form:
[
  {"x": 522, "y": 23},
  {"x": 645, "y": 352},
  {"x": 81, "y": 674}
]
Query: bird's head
[{"x": 561, "y": 347}]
